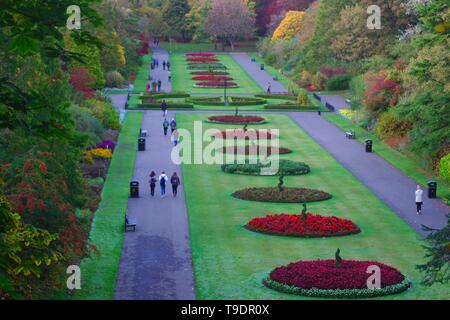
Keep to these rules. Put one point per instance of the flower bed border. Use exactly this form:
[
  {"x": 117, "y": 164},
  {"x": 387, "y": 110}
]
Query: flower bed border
[
  {"x": 263, "y": 120},
  {"x": 281, "y": 150},
  {"x": 338, "y": 293},
  {"x": 286, "y": 173},
  {"x": 326, "y": 195},
  {"x": 308, "y": 235}
]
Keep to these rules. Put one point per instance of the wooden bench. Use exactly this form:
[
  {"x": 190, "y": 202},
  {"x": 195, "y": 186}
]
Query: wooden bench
[
  {"x": 350, "y": 134},
  {"x": 143, "y": 133},
  {"x": 130, "y": 225}
]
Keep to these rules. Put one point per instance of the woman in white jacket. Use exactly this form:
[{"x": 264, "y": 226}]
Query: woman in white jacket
[{"x": 419, "y": 199}]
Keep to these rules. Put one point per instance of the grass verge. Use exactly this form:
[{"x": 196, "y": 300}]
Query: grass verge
[
  {"x": 98, "y": 273},
  {"x": 398, "y": 160}
]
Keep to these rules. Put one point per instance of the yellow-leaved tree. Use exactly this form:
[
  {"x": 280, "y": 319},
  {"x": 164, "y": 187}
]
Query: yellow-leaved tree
[{"x": 290, "y": 26}]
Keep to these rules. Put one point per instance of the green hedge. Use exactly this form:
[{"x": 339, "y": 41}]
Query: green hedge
[
  {"x": 288, "y": 167},
  {"x": 246, "y": 101},
  {"x": 169, "y": 95},
  {"x": 170, "y": 105},
  {"x": 286, "y": 106},
  {"x": 277, "y": 96},
  {"x": 338, "y": 294},
  {"x": 207, "y": 101}
]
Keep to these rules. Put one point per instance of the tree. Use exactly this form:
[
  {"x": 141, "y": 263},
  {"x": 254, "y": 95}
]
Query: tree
[
  {"x": 437, "y": 269},
  {"x": 174, "y": 13},
  {"x": 290, "y": 26},
  {"x": 197, "y": 19},
  {"x": 229, "y": 20}
]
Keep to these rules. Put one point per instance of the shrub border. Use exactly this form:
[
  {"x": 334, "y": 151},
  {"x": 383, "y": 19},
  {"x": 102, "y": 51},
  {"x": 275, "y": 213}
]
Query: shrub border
[
  {"x": 339, "y": 293},
  {"x": 297, "y": 173},
  {"x": 264, "y": 201}
]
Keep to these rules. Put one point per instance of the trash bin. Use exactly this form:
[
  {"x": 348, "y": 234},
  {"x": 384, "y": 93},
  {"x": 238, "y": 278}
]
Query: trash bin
[
  {"x": 134, "y": 189},
  {"x": 262, "y": 66},
  {"x": 141, "y": 144},
  {"x": 369, "y": 145},
  {"x": 432, "y": 189}
]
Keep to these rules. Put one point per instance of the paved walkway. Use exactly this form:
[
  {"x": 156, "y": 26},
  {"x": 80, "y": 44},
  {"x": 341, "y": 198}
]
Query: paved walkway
[
  {"x": 260, "y": 76},
  {"x": 156, "y": 260},
  {"x": 386, "y": 182},
  {"x": 335, "y": 100},
  {"x": 158, "y": 73}
]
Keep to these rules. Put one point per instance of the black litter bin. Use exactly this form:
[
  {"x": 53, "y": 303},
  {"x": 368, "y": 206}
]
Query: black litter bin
[
  {"x": 432, "y": 189},
  {"x": 369, "y": 145},
  {"x": 262, "y": 66},
  {"x": 141, "y": 144},
  {"x": 134, "y": 189}
]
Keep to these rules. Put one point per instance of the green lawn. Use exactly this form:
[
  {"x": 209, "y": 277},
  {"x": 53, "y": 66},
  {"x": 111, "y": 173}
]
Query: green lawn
[
  {"x": 230, "y": 262},
  {"x": 406, "y": 165},
  {"x": 206, "y": 47},
  {"x": 98, "y": 273},
  {"x": 181, "y": 77}
]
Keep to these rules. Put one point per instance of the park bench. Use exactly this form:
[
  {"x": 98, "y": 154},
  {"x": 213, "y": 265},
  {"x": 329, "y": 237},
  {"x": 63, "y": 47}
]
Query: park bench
[
  {"x": 130, "y": 224},
  {"x": 350, "y": 134},
  {"x": 143, "y": 133}
]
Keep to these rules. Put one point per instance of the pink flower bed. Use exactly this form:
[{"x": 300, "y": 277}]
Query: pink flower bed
[
  {"x": 212, "y": 78},
  {"x": 202, "y": 59},
  {"x": 200, "y": 54},
  {"x": 322, "y": 274},
  {"x": 216, "y": 84}
]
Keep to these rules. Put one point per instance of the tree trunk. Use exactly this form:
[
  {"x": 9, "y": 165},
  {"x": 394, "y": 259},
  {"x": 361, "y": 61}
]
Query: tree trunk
[{"x": 232, "y": 45}]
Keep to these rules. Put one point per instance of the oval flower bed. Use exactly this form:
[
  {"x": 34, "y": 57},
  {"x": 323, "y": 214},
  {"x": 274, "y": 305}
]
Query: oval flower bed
[
  {"x": 288, "y": 167},
  {"x": 254, "y": 151},
  {"x": 241, "y": 134},
  {"x": 237, "y": 119},
  {"x": 216, "y": 84},
  {"x": 314, "y": 226},
  {"x": 212, "y": 78},
  {"x": 322, "y": 279},
  {"x": 288, "y": 195},
  {"x": 209, "y": 73},
  {"x": 200, "y": 54},
  {"x": 202, "y": 59}
]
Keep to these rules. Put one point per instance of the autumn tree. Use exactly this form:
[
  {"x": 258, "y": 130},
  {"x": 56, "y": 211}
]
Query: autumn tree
[
  {"x": 290, "y": 26},
  {"x": 229, "y": 20},
  {"x": 174, "y": 13}
]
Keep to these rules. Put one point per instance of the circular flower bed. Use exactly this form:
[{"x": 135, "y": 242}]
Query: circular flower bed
[
  {"x": 314, "y": 226},
  {"x": 216, "y": 84},
  {"x": 254, "y": 151},
  {"x": 241, "y": 134},
  {"x": 287, "y": 195},
  {"x": 321, "y": 278},
  {"x": 202, "y": 59},
  {"x": 237, "y": 119},
  {"x": 200, "y": 54},
  {"x": 212, "y": 78},
  {"x": 288, "y": 167},
  {"x": 210, "y": 73}
]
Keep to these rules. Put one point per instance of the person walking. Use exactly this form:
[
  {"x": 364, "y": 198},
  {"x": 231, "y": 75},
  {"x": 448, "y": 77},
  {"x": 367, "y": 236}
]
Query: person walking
[
  {"x": 169, "y": 76},
  {"x": 173, "y": 125},
  {"x": 162, "y": 183},
  {"x": 159, "y": 85},
  {"x": 175, "y": 181},
  {"x": 168, "y": 65},
  {"x": 164, "y": 108},
  {"x": 152, "y": 181},
  {"x": 419, "y": 199},
  {"x": 175, "y": 137},
  {"x": 269, "y": 88},
  {"x": 147, "y": 87},
  {"x": 166, "y": 125},
  {"x": 164, "y": 64}
]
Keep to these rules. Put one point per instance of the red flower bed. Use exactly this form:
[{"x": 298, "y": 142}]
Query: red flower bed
[
  {"x": 313, "y": 89},
  {"x": 236, "y": 119},
  {"x": 202, "y": 59},
  {"x": 209, "y": 73},
  {"x": 216, "y": 84},
  {"x": 212, "y": 78},
  {"x": 314, "y": 226},
  {"x": 200, "y": 54},
  {"x": 322, "y": 274},
  {"x": 240, "y": 134}
]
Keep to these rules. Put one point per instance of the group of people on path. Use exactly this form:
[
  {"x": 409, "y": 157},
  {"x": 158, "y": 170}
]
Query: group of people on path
[
  {"x": 163, "y": 180},
  {"x": 173, "y": 127}
]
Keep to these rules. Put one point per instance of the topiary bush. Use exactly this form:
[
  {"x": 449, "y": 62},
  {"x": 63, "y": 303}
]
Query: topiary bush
[
  {"x": 339, "y": 83},
  {"x": 288, "y": 167},
  {"x": 114, "y": 80}
]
